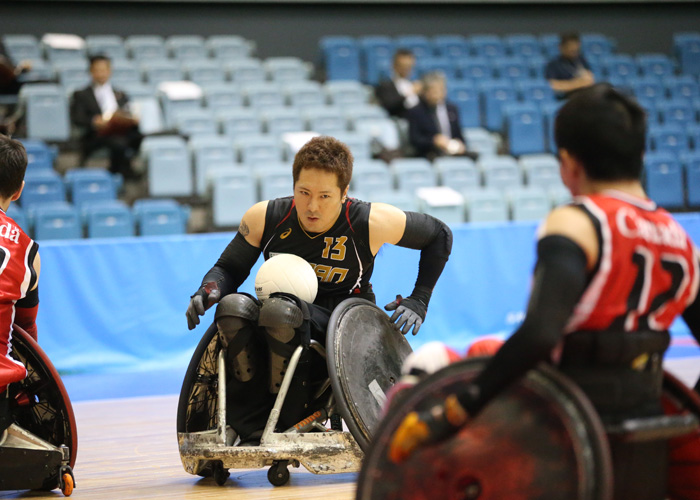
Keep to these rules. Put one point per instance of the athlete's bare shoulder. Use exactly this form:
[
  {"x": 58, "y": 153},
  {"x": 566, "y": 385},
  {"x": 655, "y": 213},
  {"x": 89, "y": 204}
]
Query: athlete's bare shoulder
[
  {"x": 253, "y": 223},
  {"x": 573, "y": 223},
  {"x": 386, "y": 225}
]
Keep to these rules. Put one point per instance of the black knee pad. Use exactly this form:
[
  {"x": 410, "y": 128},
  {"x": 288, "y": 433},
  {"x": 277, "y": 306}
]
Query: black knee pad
[{"x": 236, "y": 313}]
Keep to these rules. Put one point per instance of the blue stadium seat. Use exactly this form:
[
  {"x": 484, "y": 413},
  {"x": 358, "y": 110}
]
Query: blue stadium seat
[
  {"x": 196, "y": 121},
  {"x": 664, "y": 179},
  {"x": 458, "y": 173},
  {"x": 485, "y": 205},
  {"x": 41, "y": 72},
  {"x": 541, "y": 170},
  {"x": 528, "y": 203},
  {"x": 523, "y": 45},
  {"x": 146, "y": 47},
  {"x": 40, "y": 156},
  {"x": 218, "y": 96},
  {"x": 678, "y": 111},
  {"x": 670, "y": 137},
  {"x": 536, "y": 91},
  {"x": 341, "y": 58},
  {"x": 157, "y": 71},
  {"x": 500, "y": 172},
  {"x": 619, "y": 66},
  {"x": 443, "y": 65},
  {"x": 56, "y": 221},
  {"x": 228, "y": 47},
  {"x": 682, "y": 87},
  {"x": 413, "y": 173},
  {"x": 537, "y": 65},
  {"x": 240, "y": 122},
  {"x": 245, "y": 70},
  {"x": 596, "y": 45},
  {"x": 72, "y": 75},
  {"x": 186, "y": 47},
  {"x": 377, "y": 55},
  {"x": 174, "y": 101},
  {"x": 525, "y": 127},
  {"x": 465, "y": 96},
  {"x": 41, "y": 186},
  {"x": 559, "y": 195},
  {"x": 46, "y": 112},
  {"x": 550, "y": 44},
  {"x": 286, "y": 69},
  {"x": 549, "y": 112},
  {"x": 496, "y": 94},
  {"x": 259, "y": 149},
  {"x": 481, "y": 141},
  {"x": 208, "y": 152},
  {"x": 19, "y": 216},
  {"x": 160, "y": 217},
  {"x": 282, "y": 120},
  {"x": 108, "y": 219},
  {"x": 442, "y": 202},
  {"x": 359, "y": 144},
  {"x": 476, "y": 68},
  {"x": 363, "y": 112},
  {"x": 345, "y": 93},
  {"x": 490, "y": 46},
  {"x": 452, "y": 46},
  {"x": 648, "y": 88},
  {"x": 383, "y": 132},
  {"x": 370, "y": 177},
  {"x": 263, "y": 95},
  {"x": 687, "y": 51},
  {"x": 275, "y": 181},
  {"x": 418, "y": 44},
  {"x": 655, "y": 65},
  {"x": 57, "y": 53},
  {"x": 22, "y": 47},
  {"x": 204, "y": 71},
  {"x": 693, "y": 132},
  {"x": 514, "y": 68},
  {"x": 326, "y": 120},
  {"x": 111, "y": 46},
  {"x": 403, "y": 200},
  {"x": 303, "y": 94},
  {"x": 125, "y": 72},
  {"x": 169, "y": 166},
  {"x": 233, "y": 193},
  {"x": 692, "y": 172},
  {"x": 91, "y": 184}
]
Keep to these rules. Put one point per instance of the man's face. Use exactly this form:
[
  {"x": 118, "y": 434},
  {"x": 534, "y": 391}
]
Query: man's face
[
  {"x": 403, "y": 66},
  {"x": 318, "y": 199},
  {"x": 435, "y": 93},
  {"x": 100, "y": 71},
  {"x": 570, "y": 49}
]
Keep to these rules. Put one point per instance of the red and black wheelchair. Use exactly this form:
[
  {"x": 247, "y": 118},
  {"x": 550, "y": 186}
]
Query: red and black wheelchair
[{"x": 38, "y": 437}]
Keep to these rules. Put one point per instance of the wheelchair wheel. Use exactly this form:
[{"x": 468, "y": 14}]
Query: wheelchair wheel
[
  {"x": 40, "y": 403},
  {"x": 198, "y": 403},
  {"x": 540, "y": 439}
]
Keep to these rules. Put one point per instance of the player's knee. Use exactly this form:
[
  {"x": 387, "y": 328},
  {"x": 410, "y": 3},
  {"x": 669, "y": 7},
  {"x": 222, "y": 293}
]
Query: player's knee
[
  {"x": 234, "y": 312},
  {"x": 281, "y": 315}
]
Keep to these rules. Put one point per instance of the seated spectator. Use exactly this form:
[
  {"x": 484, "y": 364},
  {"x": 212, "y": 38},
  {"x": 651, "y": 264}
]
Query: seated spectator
[
  {"x": 9, "y": 72},
  {"x": 570, "y": 70},
  {"x": 101, "y": 113},
  {"x": 399, "y": 94},
  {"x": 434, "y": 128}
]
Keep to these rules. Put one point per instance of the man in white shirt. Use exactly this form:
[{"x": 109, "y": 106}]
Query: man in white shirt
[
  {"x": 100, "y": 113},
  {"x": 399, "y": 94}
]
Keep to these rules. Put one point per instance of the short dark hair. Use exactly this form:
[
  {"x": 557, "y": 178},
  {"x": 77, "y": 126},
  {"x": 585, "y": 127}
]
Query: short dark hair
[
  {"x": 325, "y": 153},
  {"x": 402, "y": 52},
  {"x": 99, "y": 58},
  {"x": 13, "y": 165},
  {"x": 605, "y": 130},
  {"x": 571, "y": 36}
]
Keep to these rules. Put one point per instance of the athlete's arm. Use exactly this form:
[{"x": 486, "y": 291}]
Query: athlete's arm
[
  {"x": 388, "y": 224},
  {"x": 691, "y": 316},
  {"x": 234, "y": 265},
  {"x": 27, "y": 307}
]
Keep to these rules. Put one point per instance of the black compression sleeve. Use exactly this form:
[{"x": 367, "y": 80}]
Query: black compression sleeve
[
  {"x": 234, "y": 265},
  {"x": 691, "y": 316},
  {"x": 434, "y": 239},
  {"x": 559, "y": 281},
  {"x": 31, "y": 299}
]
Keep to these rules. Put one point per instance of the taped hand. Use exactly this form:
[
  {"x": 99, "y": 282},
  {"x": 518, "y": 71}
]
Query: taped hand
[
  {"x": 408, "y": 312},
  {"x": 426, "y": 427},
  {"x": 203, "y": 299}
]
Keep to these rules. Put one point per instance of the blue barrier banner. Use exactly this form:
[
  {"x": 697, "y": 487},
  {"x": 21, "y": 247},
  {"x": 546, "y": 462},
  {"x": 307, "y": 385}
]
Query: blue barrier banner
[{"x": 119, "y": 304}]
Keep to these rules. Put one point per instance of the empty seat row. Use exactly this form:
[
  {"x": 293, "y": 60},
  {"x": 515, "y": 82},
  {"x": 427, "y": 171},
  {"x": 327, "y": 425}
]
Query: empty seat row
[
  {"x": 673, "y": 180},
  {"x": 80, "y": 185}
]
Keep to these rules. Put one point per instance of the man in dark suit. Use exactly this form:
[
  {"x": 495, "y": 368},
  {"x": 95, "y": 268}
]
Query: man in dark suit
[
  {"x": 569, "y": 71},
  {"x": 100, "y": 112},
  {"x": 399, "y": 94},
  {"x": 434, "y": 128}
]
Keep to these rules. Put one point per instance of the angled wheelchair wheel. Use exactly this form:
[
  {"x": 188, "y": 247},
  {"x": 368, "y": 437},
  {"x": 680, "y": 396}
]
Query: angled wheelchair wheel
[
  {"x": 40, "y": 403},
  {"x": 198, "y": 403},
  {"x": 540, "y": 439}
]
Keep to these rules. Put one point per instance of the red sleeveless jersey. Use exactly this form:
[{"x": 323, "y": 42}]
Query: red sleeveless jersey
[
  {"x": 17, "y": 275},
  {"x": 647, "y": 273}
]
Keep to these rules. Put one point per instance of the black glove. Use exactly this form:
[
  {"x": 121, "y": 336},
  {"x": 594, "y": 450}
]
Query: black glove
[
  {"x": 408, "y": 312},
  {"x": 203, "y": 299}
]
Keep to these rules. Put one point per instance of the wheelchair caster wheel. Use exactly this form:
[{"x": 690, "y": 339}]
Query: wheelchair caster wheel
[
  {"x": 66, "y": 482},
  {"x": 278, "y": 474},
  {"x": 220, "y": 474}
]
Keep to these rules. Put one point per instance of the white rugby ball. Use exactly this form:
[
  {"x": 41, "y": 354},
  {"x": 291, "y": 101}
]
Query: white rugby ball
[{"x": 286, "y": 273}]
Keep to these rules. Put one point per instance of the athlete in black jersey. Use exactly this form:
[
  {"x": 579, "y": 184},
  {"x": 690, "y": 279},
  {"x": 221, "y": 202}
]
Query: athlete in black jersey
[{"x": 339, "y": 237}]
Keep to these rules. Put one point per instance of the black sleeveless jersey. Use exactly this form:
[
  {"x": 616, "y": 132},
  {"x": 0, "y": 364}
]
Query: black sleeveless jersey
[{"x": 341, "y": 256}]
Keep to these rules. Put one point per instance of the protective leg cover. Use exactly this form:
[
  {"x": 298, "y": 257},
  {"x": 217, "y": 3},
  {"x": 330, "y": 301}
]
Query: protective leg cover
[
  {"x": 683, "y": 451},
  {"x": 541, "y": 439},
  {"x": 236, "y": 318}
]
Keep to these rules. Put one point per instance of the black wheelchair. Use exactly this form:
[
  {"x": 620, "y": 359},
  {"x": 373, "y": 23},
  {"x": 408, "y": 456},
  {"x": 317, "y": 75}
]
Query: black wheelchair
[
  {"x": 38, "y": 436},
  {"x": 363, "y": 356},
  {"x": 540, "y": 439}
]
